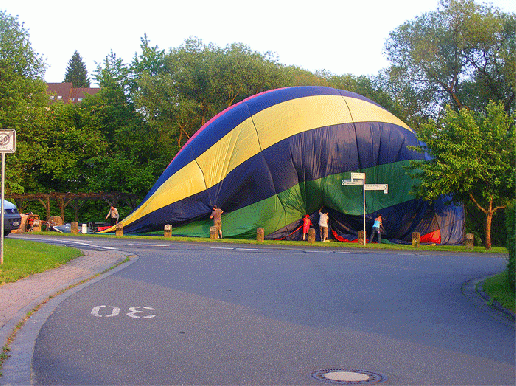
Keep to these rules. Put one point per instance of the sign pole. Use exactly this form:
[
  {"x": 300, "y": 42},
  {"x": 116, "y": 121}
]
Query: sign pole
[
  {"x": 2, "y": 208},
  {"x": 359, "y": 179},
  {"x": 7, "y": 145}
]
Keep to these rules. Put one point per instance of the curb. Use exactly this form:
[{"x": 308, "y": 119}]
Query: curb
[
  {"x": 492, "y": 302},
  {"x": 17, "y": 368}
]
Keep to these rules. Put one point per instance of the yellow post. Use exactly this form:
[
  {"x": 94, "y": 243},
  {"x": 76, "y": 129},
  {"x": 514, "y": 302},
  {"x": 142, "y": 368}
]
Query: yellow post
[
  {"x": 311, "y": 235},
  {"x": 361, "y": 237},
  {"x": 416, "y": 239},
  {"x": 214, "y": 233},
  {"x": 260, "y": 235}
]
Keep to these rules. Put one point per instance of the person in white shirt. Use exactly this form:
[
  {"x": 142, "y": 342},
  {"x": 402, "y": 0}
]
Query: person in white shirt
[{"x": 323, "y": 225}]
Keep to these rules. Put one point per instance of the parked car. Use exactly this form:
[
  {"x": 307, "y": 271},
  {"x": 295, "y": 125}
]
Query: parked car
[{"x": 12, "y": 219}]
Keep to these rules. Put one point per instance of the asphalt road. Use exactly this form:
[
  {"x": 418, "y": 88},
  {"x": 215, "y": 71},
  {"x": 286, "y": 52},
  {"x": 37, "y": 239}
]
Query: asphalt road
[{"x": 235, "y": 314}]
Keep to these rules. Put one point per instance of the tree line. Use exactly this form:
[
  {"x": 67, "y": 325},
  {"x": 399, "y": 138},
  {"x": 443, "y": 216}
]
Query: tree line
[{"x": 450, "y": 68}]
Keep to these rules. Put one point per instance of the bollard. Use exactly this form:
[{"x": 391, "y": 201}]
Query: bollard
[
  {"x": 84, "y": 228},
  {"x": 360, "y": 237},
  {"x": 74, "y": 227},
  {"x": 311, "y": 235},
  {"x": 416, "y": 239},
  {"x": 214, "y": 233},
  {"x": 119, "y": 230},
  {"x": 260, "y": 235},
  {"x": 468, "y": 241},
  {"x": 168, "y": 231}
]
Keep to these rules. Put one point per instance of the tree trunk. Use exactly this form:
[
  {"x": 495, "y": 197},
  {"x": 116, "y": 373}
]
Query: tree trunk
[{"x": 489, "y": 218}]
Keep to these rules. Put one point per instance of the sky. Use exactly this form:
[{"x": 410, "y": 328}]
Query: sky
[{"x": 339, "y": 36}]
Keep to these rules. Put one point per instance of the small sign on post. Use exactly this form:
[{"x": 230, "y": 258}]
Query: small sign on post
[{"x": 7, "y": 145}]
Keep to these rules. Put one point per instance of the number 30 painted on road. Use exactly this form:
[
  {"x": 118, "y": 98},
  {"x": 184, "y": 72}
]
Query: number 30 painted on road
[{"x": 116, "y": 311}]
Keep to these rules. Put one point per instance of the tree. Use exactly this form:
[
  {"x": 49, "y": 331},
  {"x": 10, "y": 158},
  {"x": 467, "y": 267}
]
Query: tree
[
  {"x": 134, "y": 155},
  {"x": 192, "y": 83},
  {"x": 462, "y": 55},
  {"x": 76, "y": 72},
  {"x": 473, "y": 159},
  {"x": 23, "y": 98}
]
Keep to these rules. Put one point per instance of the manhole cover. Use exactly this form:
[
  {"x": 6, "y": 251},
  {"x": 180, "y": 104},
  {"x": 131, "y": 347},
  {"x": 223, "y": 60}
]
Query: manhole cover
[{"x": 348, "y": 377}]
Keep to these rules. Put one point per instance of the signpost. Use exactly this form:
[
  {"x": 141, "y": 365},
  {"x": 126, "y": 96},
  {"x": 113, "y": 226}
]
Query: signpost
[
  {"x": 359, "y": 179},
  {"x": 7, "y": 145}
]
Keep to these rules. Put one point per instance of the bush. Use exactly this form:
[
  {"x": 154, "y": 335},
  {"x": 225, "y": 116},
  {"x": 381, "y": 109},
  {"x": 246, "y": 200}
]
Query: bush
[{"x": 510, "y": 221}]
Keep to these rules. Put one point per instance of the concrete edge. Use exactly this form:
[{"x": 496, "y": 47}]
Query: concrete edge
[{"x": 472, "y": 289}]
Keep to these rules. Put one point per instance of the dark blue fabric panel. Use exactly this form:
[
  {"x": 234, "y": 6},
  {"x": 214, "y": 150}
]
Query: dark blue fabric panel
[{"x": 451, "y": 220}]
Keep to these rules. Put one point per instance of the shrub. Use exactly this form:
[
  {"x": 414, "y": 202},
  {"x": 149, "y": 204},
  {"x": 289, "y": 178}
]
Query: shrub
[{"x": 510, "y": 221}]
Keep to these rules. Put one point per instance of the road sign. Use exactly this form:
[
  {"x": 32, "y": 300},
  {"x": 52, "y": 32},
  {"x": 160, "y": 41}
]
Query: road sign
[
  {"x": 359, "y": 179},
  {"x": 384, "y": 187},
  {"x": 7, "y": 141},
  {"x": 7, "y": 145}
]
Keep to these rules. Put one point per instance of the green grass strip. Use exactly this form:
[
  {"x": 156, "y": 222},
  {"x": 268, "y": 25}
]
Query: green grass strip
[
  {"x": 23, "y": 258},
  {"x": 498, "y": 289}
]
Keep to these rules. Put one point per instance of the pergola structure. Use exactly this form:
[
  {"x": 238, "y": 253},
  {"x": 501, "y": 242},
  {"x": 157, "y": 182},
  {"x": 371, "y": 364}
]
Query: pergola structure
[{"x": 75, "y": 199}]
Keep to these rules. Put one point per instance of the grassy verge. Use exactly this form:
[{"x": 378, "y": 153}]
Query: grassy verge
[
  {"x": 23, "y": 258},
  {"x": 333, "y": 244},
  {"x": 498, "y": 289}
]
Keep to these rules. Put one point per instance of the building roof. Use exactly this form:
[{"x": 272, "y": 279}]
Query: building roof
[{"x": 67, "y": 94}]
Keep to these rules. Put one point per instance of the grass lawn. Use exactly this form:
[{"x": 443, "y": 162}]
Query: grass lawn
[
  {"x": 23, "y": 258},
  {"x": 333, "y": 244},
  {"x": 498, "y": 289}
]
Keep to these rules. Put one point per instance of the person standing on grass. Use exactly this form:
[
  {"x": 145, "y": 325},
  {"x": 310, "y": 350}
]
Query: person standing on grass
[
  {"x": 306, "y": 225},
  {"x": 323, "y": 225},
  {"x": 377, "y": 229},
  {"x": 216, "y": 215},
  {"x": 112, "y": 215}
]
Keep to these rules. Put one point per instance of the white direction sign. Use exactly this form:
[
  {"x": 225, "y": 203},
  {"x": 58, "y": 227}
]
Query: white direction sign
[{"x": 384, "y": 187}]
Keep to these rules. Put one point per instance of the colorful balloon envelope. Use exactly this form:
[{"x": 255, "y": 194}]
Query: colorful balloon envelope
[{"x": 279, "y": 155}]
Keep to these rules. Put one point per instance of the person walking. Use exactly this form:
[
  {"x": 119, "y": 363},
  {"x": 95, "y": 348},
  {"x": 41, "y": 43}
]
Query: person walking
[
  {"x": 216, "y": 215},
  {"x": 377, "y": 229},
  {"x": 323, "y": 225},
  {"x": 113, "y": 215}
]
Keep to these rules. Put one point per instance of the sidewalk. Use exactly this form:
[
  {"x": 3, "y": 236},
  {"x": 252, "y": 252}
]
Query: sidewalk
[{"x": 20, "y": 297}]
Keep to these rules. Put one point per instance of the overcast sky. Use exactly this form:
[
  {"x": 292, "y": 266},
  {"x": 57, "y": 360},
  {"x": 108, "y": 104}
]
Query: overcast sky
[{"x": 340, "y": 36}]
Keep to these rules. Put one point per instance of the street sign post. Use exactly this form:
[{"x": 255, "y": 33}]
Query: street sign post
[
  {"x": 359, "y": 179},
  {"x": 7, "y": 145}
]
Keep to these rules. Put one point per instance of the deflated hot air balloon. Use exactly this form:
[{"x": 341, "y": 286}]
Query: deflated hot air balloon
[{"x": 276, "y": 156}]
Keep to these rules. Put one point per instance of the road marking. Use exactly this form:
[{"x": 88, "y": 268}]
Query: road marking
[
  {"x": 221, "y": 248},
  {"x": 133, "y": 311},
  {"x": 95, "y": 312}
]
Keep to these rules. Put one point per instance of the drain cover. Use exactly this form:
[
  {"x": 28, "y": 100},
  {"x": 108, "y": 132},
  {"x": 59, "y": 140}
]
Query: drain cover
[{"x": 348, "y": 377}]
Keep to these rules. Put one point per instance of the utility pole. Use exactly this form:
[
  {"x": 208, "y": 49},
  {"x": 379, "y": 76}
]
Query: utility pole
[{"x": 359, "y": 179}]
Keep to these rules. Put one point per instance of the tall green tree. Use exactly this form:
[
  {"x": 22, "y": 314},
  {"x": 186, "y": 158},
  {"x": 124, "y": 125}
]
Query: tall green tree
[
  {"x": 195, "y": 81},
  {"x": 462, "y": 55},
  {"x": 22, "y": 98},
  {"x": 76, "y": 72},
  {"x": 474, "y": 157},
  {"x": 133, "y": 157}
]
